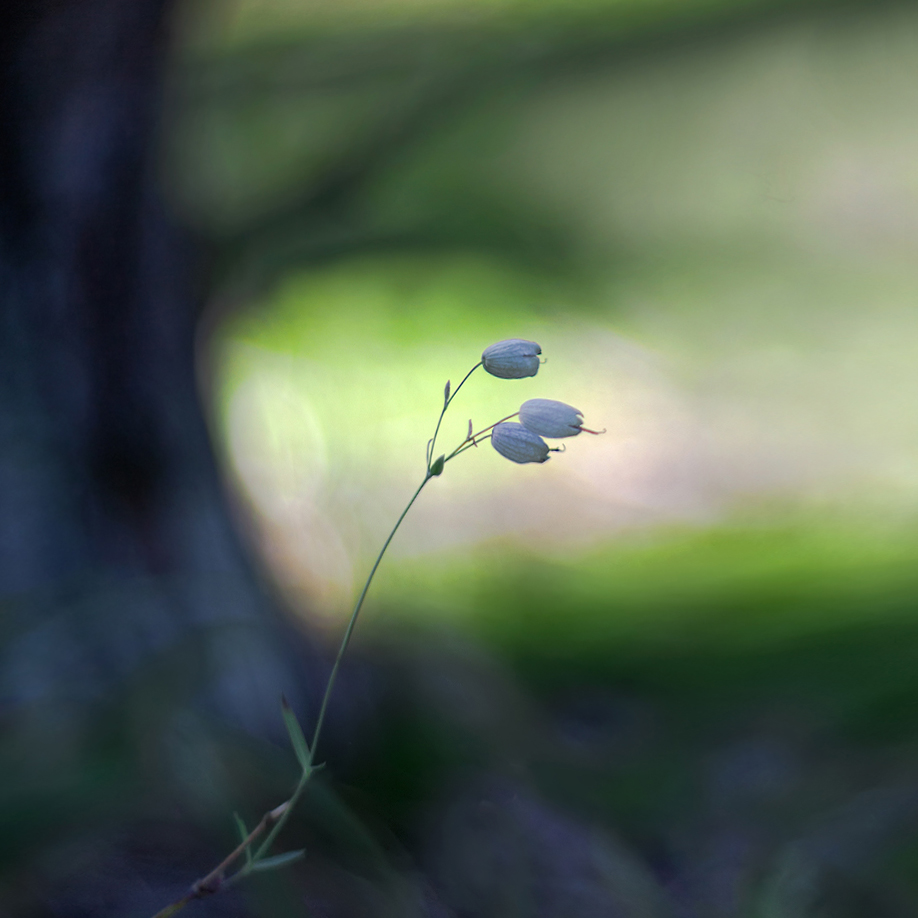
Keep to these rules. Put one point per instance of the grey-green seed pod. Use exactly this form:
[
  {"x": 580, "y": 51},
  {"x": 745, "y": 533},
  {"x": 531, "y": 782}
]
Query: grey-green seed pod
[
  {"x": 514, "y": 358},
  {"x": 549, "y": 418},
  {"x": 516, "y": 443}
]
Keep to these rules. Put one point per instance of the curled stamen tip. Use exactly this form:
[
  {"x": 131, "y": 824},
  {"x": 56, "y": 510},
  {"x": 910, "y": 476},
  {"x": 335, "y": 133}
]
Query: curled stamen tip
[{"x": 597, "y": 432}]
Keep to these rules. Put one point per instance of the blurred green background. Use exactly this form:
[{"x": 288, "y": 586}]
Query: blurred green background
[
  {"x": 706, "y": 215},
  {"x": 707, "y": 221}
]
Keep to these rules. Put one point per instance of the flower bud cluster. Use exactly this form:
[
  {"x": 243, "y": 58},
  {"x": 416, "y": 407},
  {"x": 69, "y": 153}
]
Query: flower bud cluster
[
  {"x": 522, "y": 441},
  {"x": 539, "y": 417}
]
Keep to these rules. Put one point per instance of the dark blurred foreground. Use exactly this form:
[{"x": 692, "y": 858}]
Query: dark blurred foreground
[{"x": 143, "y": 659}]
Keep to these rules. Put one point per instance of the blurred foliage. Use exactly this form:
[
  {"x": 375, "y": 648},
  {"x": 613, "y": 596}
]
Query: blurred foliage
[{"x": 697, "y": 635}]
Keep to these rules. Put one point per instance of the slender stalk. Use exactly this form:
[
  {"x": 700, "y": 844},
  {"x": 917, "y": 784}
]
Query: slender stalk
[
  {"x": 266, "y": 844},
  {"x": 276, "y": 818},
  {"x": 214, "y": 881},
  {"x": 350, "y": 625},
  {"x": 472, "y": 439},
  {"x": 446, "y": 404},
  {"x": 329, "y": 686}
]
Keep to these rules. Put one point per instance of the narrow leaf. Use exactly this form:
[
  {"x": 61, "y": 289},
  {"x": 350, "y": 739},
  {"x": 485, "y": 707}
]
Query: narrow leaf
[
  {"x": 243, "y": 835},
  {"x": 446, "y": 395},
  {"x": 279, "y": 860},
  {"x": 300, "y": 746},
  {"x": 469, "y": 435}
]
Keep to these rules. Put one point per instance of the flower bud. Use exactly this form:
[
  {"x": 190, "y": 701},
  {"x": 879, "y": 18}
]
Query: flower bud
[
  {"x": 518, "y": 444},
  {"x": 549, "y": 418},
  {"x": 514, "y": 358}
]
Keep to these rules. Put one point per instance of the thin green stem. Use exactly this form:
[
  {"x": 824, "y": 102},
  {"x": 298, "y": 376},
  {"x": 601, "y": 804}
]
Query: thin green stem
[
  {"x": 214, "y": 880},
  {"x": 446, "y": 404},
  {"x": 276, "y": 818},
  {"x": 265, "y": 846},
  {"x": 307, "y": 773},
  {"x": 350, "y": 625},
  {"x": 467, "y": 445},
  {"x": 472, "y": 439}
]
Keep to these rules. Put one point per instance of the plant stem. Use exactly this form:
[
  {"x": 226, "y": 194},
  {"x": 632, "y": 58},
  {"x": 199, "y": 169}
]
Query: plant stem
[
  {"x": 446, "y": 404},
  {"x": 276, "y": 818},
  {"x": 473, "y": 439},
  {"x": 266, "y": 844},
  {"x": 214, "y": 880},
  {"x": 350, "y": 625},
  {"x": 329, "y": 686}
]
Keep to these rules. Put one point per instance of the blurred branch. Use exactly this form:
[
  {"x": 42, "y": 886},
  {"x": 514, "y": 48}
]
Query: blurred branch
[
  {"x": 320, "y": 221},
  {"x": 301, "y": 63},
  {"x": 438, "y": 75}
]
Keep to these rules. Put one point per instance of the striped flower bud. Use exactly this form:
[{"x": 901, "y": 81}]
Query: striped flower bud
[
  {"x": 514, "y": 358},
  {"x": 518, "y": 444},
  {"x": 549, "y": 418}
]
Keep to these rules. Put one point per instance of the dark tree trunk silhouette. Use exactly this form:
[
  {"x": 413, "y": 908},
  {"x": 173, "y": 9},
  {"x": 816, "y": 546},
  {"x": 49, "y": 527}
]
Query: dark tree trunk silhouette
[
  {"x": 115, "y": 539},
  {"x": 117, "y": 556}
]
